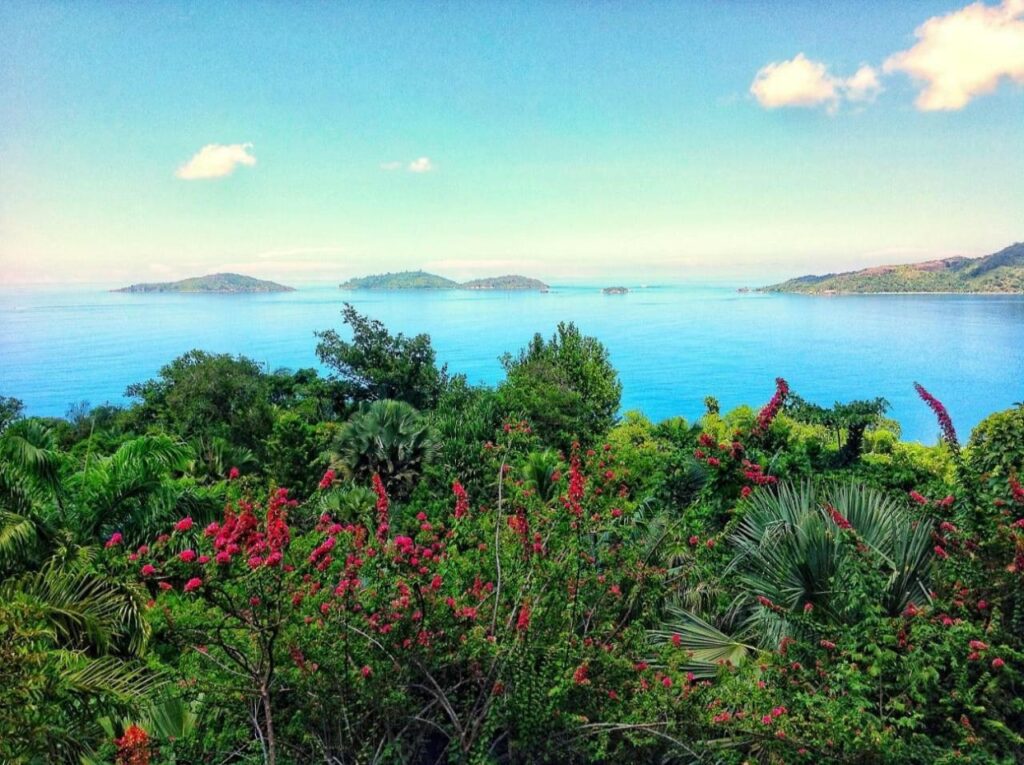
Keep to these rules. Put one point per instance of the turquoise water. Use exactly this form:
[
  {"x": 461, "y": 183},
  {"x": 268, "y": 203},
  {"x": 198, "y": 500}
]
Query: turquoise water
[{"x": 672, "y": 346}]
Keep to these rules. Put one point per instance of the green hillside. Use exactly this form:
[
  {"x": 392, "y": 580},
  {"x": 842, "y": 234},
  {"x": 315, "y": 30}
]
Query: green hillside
[
  {"x": 508, "y": 282},
  {"x": 1000, "y": 272},
  {"x": 403, "y": 280},
  {"x": 211, "y": 283},
  {"x": 421, "y": 280}
]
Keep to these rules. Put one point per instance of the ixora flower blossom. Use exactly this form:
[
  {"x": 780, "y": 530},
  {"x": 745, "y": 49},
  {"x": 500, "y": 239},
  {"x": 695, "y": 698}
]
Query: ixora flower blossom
[
  {"x": 234, "y": 473},
  {"x": 185, "y": 524},
  {"x": 133, "y": 747},
  {"x": 945, "y": 421},
  {"x": 193, "y": 584}
]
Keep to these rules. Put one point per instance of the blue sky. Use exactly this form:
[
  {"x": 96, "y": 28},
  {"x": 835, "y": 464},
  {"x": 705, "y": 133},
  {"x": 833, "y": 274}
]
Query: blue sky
[{"x": 571, "y": 141}]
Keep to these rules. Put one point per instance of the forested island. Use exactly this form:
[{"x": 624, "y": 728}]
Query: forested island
[
  {"x": 211, "y": 283},
  {"x": 421, "y": 280},
  {"x": 1000, "y": 272},
  {"x": 384, "y": 563}
]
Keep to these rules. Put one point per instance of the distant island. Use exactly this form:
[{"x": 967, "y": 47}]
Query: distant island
[
  {"x": 615, "y": 290},
  {"x": 221, "y": 284},
  {"x": 421, "y": 280},
  {"x": 1000, "y": 272}
]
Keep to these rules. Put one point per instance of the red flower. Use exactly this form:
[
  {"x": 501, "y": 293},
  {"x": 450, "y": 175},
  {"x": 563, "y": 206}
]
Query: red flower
[
  {"x": 133, "y": 747},
  {"x": 461, "y": 499},
  {"x": 580, "y": 675},
  {"x": 148, "y": 570},
  {"x": 193, "y": 584},
  {"x": 115, "y": 540},
  {"x": 366, "y": 671},
  {"x": 233, "y": 474},
  {"x": 940, "y": 552},
  {"x": 771, "y": 410},
  {"x": 918, "y": 498},
  {"x": 523, "y": 620},
  {"x": 183, "y": 525},
  {"x": 838, "y": 518},
  {"x": 187, "y": 556},
  {"x": 998, "y": 663},
  {"x": 382, "y": 508},
  {"x": 945, "y": 421},
  {"x": 327, "y": 480}
]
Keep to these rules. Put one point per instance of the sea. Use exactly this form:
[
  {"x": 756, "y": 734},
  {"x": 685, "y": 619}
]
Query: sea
[{"x": 672, "y": 346}]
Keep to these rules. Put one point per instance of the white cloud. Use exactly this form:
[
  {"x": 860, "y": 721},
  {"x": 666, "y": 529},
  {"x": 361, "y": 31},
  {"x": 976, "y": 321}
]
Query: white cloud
[
  {"x": 215, "y": 160},
  {"x": 964, "y": 54},
  {"x": 421, "y": 165},
  {"x": 804, "y": 82},
  {"x": 797, "y": 82},
  {"x": 863, "y": 86}
]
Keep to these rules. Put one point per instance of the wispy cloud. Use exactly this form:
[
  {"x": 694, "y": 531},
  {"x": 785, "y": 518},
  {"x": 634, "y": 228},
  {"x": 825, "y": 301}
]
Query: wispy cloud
[
  {"x": 964, "y": 54},
  {"x": 419, "y": 165},
  {"x": 216, "y": 160},
  {"x": 422, "y": 165},
  {"x": 288, "y": 253}
]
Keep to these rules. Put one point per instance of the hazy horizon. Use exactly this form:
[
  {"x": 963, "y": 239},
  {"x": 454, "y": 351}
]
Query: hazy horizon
[{"x": 640, "y": 143}]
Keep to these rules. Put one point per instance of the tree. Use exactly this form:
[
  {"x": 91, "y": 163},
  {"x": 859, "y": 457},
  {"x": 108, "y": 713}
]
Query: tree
[
  {"x": 387, "y": 438},
  {"x": 565, "y": 387},
  {"x": 10, "y": 410},
  {"x": 201, "y": 394},
  {"x": 854, "y": 417},
  {"x": 378, "y": 365}
]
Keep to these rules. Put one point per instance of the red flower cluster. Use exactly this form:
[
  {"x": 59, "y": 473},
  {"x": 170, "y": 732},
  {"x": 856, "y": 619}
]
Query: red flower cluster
[
  {"x": 382, "y": 508},
  {"x": 771, "y": 410},
  {"x": 838, "y": 518},
  {"x": 573, "y": 501},
  {"x": 241, "y": 532},
  {"x": 133, "y": 747},
  {"x": 327, "y": 480},
  {"x": 461, "y": 499},
  {"x": 115, "y": 540},
  {"x": 945, "y": 421}
]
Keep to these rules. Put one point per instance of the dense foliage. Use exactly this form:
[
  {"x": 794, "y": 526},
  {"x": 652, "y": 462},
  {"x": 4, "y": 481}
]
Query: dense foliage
[{"x": 391, "y": 565}]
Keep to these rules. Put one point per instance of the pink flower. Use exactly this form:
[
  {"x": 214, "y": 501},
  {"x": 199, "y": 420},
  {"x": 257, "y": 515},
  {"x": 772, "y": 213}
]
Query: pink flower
[
  {"x": 998, "y": 663},
  {"x": 771, "y": 410},
  {"x": 148, "y": 570},
  {"x": 327, "y": 480},
  {"x": 187, "y": 556},
  {"x": 223, "y": 557},
  {"x": 193, "y": 584},
  {"x": 580, "y": 675},
  {"x": 945, "y": 421},
  {"x": 366, "y": 671},
  {"x": 977, "y": 645},
  {"x": 918, "y": 498},
  {"x": 183, "y": 525},
  {"x": 233, "y": 474},
  {"x": 115, "y": 540},
  {"x": 940, "y": 552}
]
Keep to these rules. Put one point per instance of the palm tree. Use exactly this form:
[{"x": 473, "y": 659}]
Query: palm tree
[
  {"x": 50, "y": 510},
  {"x": 807, "y": 548},
  {"x": 386, "y": 437},
  {"x": 539, "y": 472}
]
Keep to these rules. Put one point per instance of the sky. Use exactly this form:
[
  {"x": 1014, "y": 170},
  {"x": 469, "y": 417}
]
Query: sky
[{"x": 654, "y": 142}]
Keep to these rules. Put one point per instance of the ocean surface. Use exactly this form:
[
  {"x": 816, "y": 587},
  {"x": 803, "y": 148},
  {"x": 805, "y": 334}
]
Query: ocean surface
[{"x": 672, "y": 346}]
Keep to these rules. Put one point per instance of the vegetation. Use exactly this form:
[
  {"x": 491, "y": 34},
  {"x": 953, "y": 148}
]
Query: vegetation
[
  {"x": 1001, "y": 271},
  {"x": 421, "y": 280},
  {"x": 392, "y": 565},
  {"x": 217, "y": 283}
]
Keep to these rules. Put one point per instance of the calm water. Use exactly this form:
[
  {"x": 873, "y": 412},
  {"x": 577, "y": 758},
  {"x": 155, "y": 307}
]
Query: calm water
[{"x": 672, "y": 346}]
